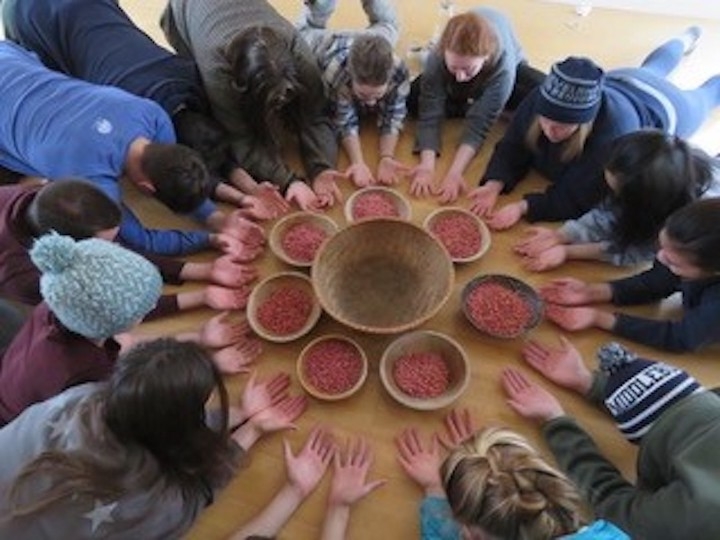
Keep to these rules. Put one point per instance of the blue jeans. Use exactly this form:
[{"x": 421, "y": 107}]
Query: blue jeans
[{"x": 692, "y": 107}]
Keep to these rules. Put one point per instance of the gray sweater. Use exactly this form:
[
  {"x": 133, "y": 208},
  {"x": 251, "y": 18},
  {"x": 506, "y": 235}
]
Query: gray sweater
[
  {"x": 72, "y": 421},
  {"x": 489, "y": 90},
  {"x": 203, "y": 30}
]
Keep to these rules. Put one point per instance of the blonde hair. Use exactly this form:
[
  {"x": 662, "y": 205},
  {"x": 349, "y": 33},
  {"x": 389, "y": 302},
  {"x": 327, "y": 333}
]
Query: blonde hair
[
  {"x": 497, "y": 481},
  {"x": 572, "y": 147}
]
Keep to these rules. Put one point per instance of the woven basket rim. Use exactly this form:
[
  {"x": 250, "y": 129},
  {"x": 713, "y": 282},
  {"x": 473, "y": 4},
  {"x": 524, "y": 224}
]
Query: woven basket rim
[
  {"x": 484, "y": 230},
  {"x": 285, "y": 222}
]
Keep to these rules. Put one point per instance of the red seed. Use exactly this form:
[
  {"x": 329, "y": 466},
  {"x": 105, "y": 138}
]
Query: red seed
[
  {"x": 459, "y": 234},
  {"x": 374, "y": 204},
  {"x": 422, "y": 375},
  {"x": 302, "y": 240},
  {"x": 332, "y": 366},
  {"x": 285, "y": 311},
  {"x": 499, "y": 311}
]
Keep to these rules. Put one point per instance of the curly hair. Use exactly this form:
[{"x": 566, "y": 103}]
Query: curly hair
[{"x": 498, "y": 482}]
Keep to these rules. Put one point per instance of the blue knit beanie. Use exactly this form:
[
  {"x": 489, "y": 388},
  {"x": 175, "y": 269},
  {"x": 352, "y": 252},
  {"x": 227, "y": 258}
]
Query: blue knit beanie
[
  {"x": 638, "y": 391},
  {"x": 572, "y": 91},
  {"x": 94, "y": 287}
]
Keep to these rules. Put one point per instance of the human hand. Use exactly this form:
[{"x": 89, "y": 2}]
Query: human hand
[
  {"x": 222, "y": 298},
  {"x": 326, "y": 188},
  {"x": 528, "y": 399},
  {"x": 453, "y": 185},
  {"x": 360, "y": 175},
  {"x": 266, "y": 202},
  {"x": 536, "y": 240},
  {"x": 280, "y": 415},
  {"x": 546, "y": 260},
  {"x": 562, "y": 365},
  {"x": 567, "y": 292},
  {"x": 305, "y": 470},
  {"x": 260, "y": 394},
  {"x": 459, "y": 427},
  {"x": 421, "y": 181},
  {"x": 421, "y": 463},
  {"x": 572, "y": 318},
  {"x": 236, "y": 358},
  {"x": 302, "y": 195},
  {"x": 350, "y": 470},
  {"x": 507, "y": 216},
  {"x": 483, "y": 198},
  {"x": 220, "y": 332},
  {"x": 245, "y": 230},
  {"x": 228, "y": 271},
  {"x": 229, "y": 244},
  {"x": 390, "y": 170}
]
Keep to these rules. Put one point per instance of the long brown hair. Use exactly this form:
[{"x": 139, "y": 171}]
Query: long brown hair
[{"x": 153, "y": 407}]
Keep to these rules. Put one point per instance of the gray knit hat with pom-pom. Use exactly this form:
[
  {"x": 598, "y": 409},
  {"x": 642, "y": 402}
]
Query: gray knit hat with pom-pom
[{"x": 94, "y": 287}]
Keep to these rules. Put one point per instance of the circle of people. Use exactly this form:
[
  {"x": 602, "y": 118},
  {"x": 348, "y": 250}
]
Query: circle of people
[{"x": 109, "y": 433}]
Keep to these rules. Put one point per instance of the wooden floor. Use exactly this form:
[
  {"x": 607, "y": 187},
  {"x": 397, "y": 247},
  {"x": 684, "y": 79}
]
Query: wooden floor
[{"x": 549, "y": 32}]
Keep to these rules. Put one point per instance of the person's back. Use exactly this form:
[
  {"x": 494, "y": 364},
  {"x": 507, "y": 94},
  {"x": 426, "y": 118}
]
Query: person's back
[
  {"x": 94, "y": 40},
  {"x": 53, "y": 126}
]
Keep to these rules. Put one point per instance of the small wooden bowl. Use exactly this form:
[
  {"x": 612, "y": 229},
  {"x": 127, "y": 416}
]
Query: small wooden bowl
[
  {"x": 402, "y": 205},
  {"x": 382, "y": 276},
  {"x": 269, "y": 286},
  {"x": 525, "y": 293},
  {"x": 478, "y": 225},
  {"x": 284, "y": 225},
  {"x": 424, "y": 341},
  {"x": 317, "y": 392}
]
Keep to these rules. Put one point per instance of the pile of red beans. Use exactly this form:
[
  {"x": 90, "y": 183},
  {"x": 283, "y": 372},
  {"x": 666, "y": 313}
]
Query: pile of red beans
[
  {"x": 421, "y": 375},
  {"x": 374, "y": 204},
  {"x": 498, "y": 310},
  {"x": 285, "y": 311},
  {"x": 302, "y": 240},
  {"x": 332, "y": 366},
  {"x": 459, "y": 234}
]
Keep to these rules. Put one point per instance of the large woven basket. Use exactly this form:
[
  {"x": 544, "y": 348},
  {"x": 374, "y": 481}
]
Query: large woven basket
[{"x": 382, "y": 276}]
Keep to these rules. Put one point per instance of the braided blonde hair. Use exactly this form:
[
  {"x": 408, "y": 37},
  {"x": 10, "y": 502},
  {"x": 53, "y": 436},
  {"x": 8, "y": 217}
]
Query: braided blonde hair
[{"x": 498, "y": 481}]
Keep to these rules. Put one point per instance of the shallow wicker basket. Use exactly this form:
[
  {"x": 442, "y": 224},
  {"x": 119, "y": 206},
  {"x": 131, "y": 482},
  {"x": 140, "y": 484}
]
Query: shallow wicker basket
[
  {"x": 479, "y": 224},
  {"x": 402, "y": 205},
  {"x": 265, "y": 288},
  {"x": 316, "y": 392},
  {"x": 522, "y": 289},
  {"x": 426, "y": 341},
  {"x": 382, "y": 276},
  {"x": 286, "y": 223}
]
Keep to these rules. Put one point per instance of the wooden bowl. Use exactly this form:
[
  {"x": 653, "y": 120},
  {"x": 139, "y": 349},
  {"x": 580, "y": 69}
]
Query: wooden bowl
[
  {"x": 516, "y": 308},
  {"x": 336, "y": 366},
  {"x": 286, "y": 225},
  {"x": 382, "y": 276},
  {"x": 426, "y": 341},
  {"x": 468, "y": 240},
  {"x": 293, "y": 307},
  {"x": 402, "y": 209}
]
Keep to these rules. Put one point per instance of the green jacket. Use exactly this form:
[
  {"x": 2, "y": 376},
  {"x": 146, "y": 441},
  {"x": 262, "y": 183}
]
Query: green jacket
[{"x": 677, "y": 493}]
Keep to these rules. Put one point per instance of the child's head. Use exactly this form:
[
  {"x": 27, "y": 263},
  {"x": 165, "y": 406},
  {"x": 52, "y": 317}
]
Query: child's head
[
  {"x": 468, "y": 43},
  {"x": 95, "y": 288},
  {"x": 639, "y": 391},
  {"x": 74, "y": 208},
  {"x": 178, "y": 175},
  {"x": 204, "y": 134},
  {"x": 370, "y": 63},
  {"x": 652, "y": 174},
  {"x": 156, "y": 398},
  {"x": 690, "y": 240},
  {"x": 499, "y": 486}
]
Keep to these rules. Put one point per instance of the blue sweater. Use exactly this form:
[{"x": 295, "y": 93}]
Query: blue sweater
[
  {"x": 577, "y": 185},
  {"x": 54, "y": 126},
  {"x": 94, "y": 40},
  {"x": 700, "y": 324}
]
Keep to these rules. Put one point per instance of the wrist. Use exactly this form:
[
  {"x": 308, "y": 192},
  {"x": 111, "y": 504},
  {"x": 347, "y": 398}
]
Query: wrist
[
  {"x": 434, "y": 490},
  {"x": 386, "y": 156},
  {"x": 247, "y": 434},
  {"x": 604, "y": 319}
]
